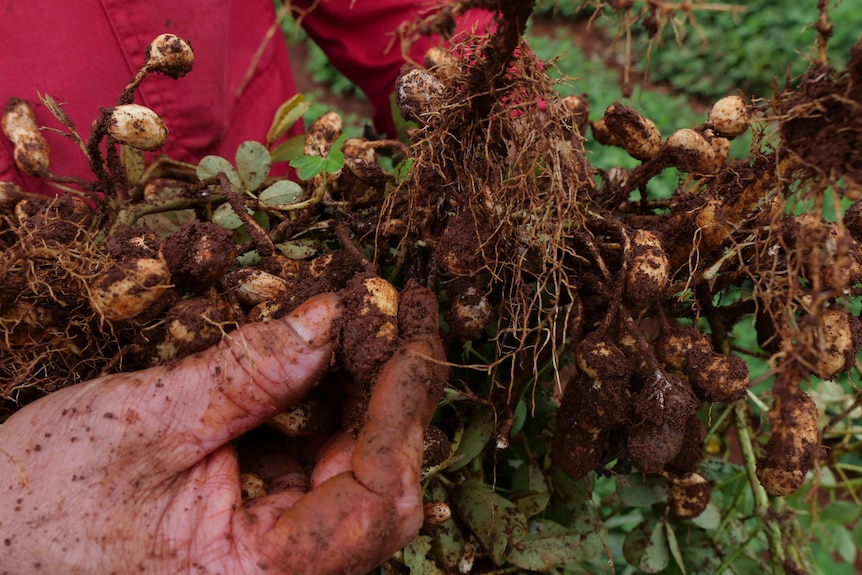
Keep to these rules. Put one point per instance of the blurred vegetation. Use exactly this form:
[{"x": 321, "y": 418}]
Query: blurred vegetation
[{"x": 709, "y": 53}]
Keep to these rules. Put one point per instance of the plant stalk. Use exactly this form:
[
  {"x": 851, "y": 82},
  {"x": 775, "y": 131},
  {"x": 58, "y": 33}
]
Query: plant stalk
[{"x": 761, "y": 499}]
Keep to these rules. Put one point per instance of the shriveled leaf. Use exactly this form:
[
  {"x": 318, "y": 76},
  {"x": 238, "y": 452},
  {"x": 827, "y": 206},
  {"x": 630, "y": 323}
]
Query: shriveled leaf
[
  {"x": 281, "y": 193},
  {"x": 252, "y": 164},
  {"x": 416, "y": 557},
  {"x": 637, "y": 490},
  {"x": 548, "y": 545},
  {"x": 298, "y": 249},
  {"x": 286, "y": 116},
  {"x": 645, "y": 547},
  {"x": 56, "y": 110},
  {"x": 289, "y": 149},
  {"x": 210, "y": 166},
  {"x": 494, "y": 520},
  {"x": 476, "y": 436},
  {"x": 226, "y": 217},
  {"x": 308, "y": 166},
  {"x": 673, "y": 545},
  {"x": 165, "y": 224},
  {"x": 133, "y": 163}
]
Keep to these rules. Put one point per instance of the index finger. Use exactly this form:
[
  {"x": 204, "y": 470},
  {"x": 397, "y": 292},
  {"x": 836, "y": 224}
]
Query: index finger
[{"x": 356, "y": 520}]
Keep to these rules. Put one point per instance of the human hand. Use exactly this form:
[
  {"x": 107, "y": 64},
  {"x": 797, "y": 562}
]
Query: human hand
[{"x": 132, "y": 471}]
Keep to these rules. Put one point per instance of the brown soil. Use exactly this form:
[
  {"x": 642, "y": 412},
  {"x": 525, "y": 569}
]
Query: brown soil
[{"x": 198, "y": 255}]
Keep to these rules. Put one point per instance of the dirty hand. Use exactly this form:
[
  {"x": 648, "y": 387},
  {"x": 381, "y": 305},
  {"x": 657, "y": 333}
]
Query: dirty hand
[{"x": 133, "y": 472}]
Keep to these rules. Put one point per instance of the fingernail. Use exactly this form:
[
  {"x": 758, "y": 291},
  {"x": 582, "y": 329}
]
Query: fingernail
[{"x": 313, "y": 320}]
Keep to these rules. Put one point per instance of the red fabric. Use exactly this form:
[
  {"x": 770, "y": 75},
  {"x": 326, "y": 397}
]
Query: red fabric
[{"x": 83, "y": 53}]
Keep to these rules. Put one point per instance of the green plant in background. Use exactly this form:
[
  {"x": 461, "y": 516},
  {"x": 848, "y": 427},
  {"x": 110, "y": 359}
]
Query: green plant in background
[{"x": 711, "y": 52}]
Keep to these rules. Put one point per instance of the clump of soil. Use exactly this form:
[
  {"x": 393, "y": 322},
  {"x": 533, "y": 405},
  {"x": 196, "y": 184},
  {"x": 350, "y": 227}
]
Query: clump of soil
[{"x": 198, "y": 255}]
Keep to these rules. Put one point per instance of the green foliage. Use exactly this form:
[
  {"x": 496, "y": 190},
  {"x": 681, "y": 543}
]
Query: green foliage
[
  {"x": 560, "y": 9},
  {"x": 750, "y": 52},
  {"x": 247, "y": 176},
  {"x": 718, "y": 52},
  {"x": 309, "y": 166},
  {"x": 323, "y": 72}
]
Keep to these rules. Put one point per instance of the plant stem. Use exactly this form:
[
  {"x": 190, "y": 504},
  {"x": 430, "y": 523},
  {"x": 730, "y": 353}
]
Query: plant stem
[{"x": 761, "y": 499}]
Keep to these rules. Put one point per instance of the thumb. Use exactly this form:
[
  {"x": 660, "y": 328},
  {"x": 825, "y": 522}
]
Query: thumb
[{"x": 187, "y": 410}]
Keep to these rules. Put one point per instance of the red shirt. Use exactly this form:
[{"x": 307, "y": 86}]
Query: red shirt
[{"x": 83, "y": 54}]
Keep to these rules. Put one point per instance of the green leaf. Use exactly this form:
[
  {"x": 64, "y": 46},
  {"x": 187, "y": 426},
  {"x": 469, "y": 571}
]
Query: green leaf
[
  {"x": 335, "y": 157},
  {"x": 334, "y": 162},
  {"x": 252, "y": 163},
  {"x": 673, "y": 545},
  {"x": 133, "y": 163},
  {"x": 532, "y": 504},
  {"x": 520, "y": 416},
  {"x": 401, "y": 124},
  {"x": 308, "y": 166},
  {"x": 528, "y": 478},
  {"x": 416, "y": 557},
  {"x": 846, "y": 546},
  {"x": 584, "y": 520},
  {"x": 841, "y": 513},
  {"x": 476, "y": 436},
  {"x": 645, "y": 547},
  {"x": 710, "y": 518},
  {"x": 548, "y": 548},
  {"x": 638, "y": 490},
  {"x": 403, "y": 170},
  {"x": 262, "y": 219},
  {"x": 288, "y": 150},
  {"x": 248, "y": 259},
  {"x": 226, "y": 217},
  {"x": 494, "y": 520},
  {"x": 448, "y": 545},
  {"x": 281, "y": 193},
  {"x": 286, "y": 116},
  {"x": 210, "y": 166},
  {"x": 572, "y": 490},
  {"x": 544, "y": 528}
]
